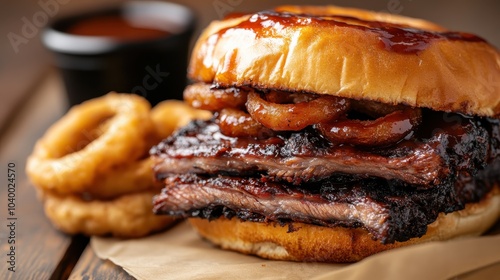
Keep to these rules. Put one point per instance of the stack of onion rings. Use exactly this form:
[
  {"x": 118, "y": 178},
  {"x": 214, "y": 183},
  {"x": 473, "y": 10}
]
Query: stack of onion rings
[
  {"x": 92, "y": 167},
  {"x": 246, "y": 112}
]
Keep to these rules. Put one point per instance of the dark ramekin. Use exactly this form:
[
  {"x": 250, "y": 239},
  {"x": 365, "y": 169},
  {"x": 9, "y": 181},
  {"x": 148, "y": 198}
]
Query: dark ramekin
[{"x": 92, "y": 66}]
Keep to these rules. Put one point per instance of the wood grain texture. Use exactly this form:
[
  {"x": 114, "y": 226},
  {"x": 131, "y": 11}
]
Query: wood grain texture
[
  {"x": 42, "y": 252},
  {"x": 71, "y": 257},
  {"x": 39, "y": 248},
  {"x": 91, "y": 267}
]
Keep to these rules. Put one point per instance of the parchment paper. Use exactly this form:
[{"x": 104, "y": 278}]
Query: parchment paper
[{"x": 180, "y": 254}]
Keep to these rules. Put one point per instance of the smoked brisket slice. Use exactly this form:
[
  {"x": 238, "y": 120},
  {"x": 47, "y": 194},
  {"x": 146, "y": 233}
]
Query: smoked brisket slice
[
  {"x": 390, "y": 213},
  {"x": 393, "y": 192},
  {"x": 305, "y": 156}
]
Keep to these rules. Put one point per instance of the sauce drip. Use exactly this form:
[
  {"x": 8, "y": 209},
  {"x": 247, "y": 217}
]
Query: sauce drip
[
  {"x": 116, "y": 27},
  {"x": 392, "y": 37}
]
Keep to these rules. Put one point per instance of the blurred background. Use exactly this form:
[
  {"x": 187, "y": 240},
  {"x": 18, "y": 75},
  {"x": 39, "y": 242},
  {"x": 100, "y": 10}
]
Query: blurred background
[{"x": 24, "y": 61}]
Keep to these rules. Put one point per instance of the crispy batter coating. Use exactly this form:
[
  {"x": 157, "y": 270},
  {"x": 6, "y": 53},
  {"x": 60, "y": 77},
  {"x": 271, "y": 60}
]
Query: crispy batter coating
[
  {"x": 92, "y": 168},
  {"x": 169, "y": 115},
  {"x": 126, "y": 216},
  {"x": 89, "y": 140}
]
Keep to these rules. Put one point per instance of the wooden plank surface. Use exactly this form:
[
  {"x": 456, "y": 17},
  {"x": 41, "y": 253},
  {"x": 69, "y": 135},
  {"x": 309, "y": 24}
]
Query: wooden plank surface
[
  {"x": 91, "y": 267},
  {"x": 22, "y": 64},
  {"x": 41, "y": 252},
  {"x": 39, "y": 248}
]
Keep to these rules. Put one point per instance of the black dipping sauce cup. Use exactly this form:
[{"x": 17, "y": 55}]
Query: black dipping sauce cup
[{"x": 138, "y": 47}]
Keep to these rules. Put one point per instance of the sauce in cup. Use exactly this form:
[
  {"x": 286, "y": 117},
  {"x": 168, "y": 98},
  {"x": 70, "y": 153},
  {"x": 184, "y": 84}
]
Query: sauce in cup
[
  {"x": 115, "y": 26},
  {"x": 138, "y": 47}
]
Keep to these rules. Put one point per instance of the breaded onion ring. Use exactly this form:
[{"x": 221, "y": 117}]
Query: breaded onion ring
[
  {"x": 296, "y": 116},
  {"x": 203, "y": 96},
  {"x": 127, "y": 216},
  {"x": 105, "y": 183},
  {"x": 133, "y": 177},
  {"x": 89, "y": 140},
  {"x": 137, "y": 175},
  {"x": 169, "y": 115},
  {"x": 385, "y": 130},
  {"x": 236, "y": 123}
]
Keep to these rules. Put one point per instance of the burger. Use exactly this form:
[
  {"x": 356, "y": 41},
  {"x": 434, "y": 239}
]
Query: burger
[{"x": 337, "y": 133}]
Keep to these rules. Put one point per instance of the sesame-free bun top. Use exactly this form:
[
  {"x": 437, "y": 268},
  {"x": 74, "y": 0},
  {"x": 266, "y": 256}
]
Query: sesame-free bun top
[{"x": 354, "y": 54}]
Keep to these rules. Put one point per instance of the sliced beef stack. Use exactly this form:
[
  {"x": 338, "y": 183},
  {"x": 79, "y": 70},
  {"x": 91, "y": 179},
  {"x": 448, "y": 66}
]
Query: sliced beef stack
[{"x": 393, "y": 191}]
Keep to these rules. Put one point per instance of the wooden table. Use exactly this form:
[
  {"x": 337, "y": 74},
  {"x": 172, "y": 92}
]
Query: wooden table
[{"x": 42, "y": 252}]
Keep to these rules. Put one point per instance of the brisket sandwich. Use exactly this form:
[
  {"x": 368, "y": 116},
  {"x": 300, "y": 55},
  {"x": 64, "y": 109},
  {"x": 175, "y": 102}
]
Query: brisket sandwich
[{"x": 338, "y": 133}]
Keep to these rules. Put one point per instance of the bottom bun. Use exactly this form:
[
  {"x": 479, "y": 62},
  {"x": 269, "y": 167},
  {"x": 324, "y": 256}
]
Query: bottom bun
[{"x": 312, "y": 243}]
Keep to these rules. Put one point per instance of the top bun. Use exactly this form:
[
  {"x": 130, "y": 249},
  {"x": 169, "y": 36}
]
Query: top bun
[{"x": 354, "y": 54}]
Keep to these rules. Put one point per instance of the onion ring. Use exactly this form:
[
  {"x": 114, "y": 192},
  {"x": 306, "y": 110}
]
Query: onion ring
[
  {"x": 170, "y": 115},
  {"x": 92, "y": 167},
  {"x": 288, "y": 97},
  {"x": 236, "y": 123},
  {"x": 136, "y": 176},
  {"x": 203, "y": 96},
  {"x": 297, "y": 116},
  {"x": 374, "y": 109},
  {"x": 90, "y": 139},
  {"x": 127, "y": 216},
  {"x": 385, "y": 130},
  {"x": 133, "y": 177}
]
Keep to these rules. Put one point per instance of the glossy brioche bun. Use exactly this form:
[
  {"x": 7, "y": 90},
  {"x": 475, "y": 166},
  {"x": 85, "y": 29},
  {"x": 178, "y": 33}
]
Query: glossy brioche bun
[
  {"x": 322, "y": 244},
  {"x": 352, "y": 62}
]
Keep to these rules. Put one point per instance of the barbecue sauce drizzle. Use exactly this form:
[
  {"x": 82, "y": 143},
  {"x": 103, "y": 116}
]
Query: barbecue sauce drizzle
[{"x": 392, "y": 37}]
